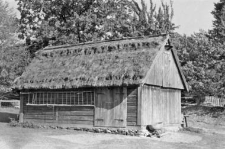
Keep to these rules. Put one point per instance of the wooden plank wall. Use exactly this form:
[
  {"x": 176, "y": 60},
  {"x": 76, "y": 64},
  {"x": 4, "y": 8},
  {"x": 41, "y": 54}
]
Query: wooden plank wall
[
  {"x": 111, "y": 107},
  {"x": 132, "y": 95},
  {"x": 160, "y": 105},
  {"x": 76, "y": 115},
  {"x": 164, "y": 72},
  {"x": 58, "y": 114}
]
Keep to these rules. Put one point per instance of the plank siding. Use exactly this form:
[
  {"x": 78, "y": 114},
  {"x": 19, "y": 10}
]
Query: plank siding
[
  {"x": 76, "y": 115},
  {"x": 160, "y": 105},
  {"x": 165, "y": 72},
  {"x": 111, "y": 107},
  {"x": 57, "y": 114},
  {"x": 132, "y": 106}
]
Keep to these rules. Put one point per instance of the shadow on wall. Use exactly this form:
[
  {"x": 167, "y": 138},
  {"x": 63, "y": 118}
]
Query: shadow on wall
[
  {"x": 5, "y": 117},
  {"x": 109, "y": 97}
]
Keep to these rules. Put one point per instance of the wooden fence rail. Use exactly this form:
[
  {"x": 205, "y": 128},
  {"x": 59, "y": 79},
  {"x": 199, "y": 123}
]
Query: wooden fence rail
[{"x": 214, "y": 101}]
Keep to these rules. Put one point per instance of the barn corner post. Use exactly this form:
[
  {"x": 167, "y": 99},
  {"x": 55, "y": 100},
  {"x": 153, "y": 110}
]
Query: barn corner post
[{"x": 21, "y": 108}]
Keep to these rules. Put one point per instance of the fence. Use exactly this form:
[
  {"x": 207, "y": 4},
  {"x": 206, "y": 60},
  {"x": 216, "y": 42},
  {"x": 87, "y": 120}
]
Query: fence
[
  {"x": 9, "y": 104},
  {"x": 214, "y": 101}
]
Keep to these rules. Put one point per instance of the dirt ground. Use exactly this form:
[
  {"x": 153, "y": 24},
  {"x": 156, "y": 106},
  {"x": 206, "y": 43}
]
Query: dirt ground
[{"x": 25, "y": 138}]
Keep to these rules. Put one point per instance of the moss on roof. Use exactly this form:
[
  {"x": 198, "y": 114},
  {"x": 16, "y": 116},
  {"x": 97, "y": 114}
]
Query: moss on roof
[{"x": 114, "y": 63}]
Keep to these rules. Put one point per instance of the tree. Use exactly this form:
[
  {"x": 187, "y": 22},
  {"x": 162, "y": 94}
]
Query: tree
[
  {"x": 75, "y": 21},
  {"x": 218, "y": 31},
  {"x": 151, "y": 22},
  {"x": 13, "y": 61},
  {"x": 69, "y": 21},
  {"x": 13, "y": 57},
  {"x": 202, "y": 61},
  {"x": 8, "y": 24}
]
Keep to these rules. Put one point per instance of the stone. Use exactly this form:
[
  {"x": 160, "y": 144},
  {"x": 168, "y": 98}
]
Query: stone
[
  {"x": 108, "y": 131},
  {"x": 59, "y": 127},
  {"x": 77, "y": 128},
  {"x": 120, "y": 131},
  {"x": 97, "y": 130}
]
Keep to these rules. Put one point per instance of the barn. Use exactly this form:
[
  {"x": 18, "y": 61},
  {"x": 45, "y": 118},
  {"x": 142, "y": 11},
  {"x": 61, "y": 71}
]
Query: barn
[{"x": 123, "y": 83}]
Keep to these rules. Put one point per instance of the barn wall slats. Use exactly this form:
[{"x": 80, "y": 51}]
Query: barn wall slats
[
  {"x": 165, "y": 72},
  {"x": 49, "y": 117},
  {"x": 83, "y": 115},
  {"x": 111, "y": 106},
  {"x": 160, "y": 105},
  {"x": 41, "y": 121},
  {"x": 56, "y": 114},
  {"x": 76, "y": 115},
  {"x": 21, "y": 118},
  {"x": 78, "y": 118},
  {"x": 139, "y": 108},
  {"x": 132, "y": 106},
  {"x": 76, "y": 122}
]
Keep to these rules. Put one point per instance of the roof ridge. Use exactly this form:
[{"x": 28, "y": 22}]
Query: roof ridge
[
  {"x": 104, "y": 41},
  {"x": 102, "y": 47}
]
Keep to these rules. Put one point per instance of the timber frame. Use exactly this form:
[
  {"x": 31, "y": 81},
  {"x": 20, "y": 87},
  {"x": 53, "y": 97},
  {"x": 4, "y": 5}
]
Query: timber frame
[{"x": 127, "y": 83}]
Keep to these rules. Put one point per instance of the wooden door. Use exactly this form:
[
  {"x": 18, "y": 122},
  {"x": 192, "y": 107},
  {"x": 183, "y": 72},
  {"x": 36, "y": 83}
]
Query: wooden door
[{"x": 110, "y": 107}]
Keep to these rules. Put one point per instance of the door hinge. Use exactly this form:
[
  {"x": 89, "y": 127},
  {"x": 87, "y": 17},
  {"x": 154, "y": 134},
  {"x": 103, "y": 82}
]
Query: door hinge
[
  {"x": 121, "y": 120},
  {"x": 99, "y": 120}
]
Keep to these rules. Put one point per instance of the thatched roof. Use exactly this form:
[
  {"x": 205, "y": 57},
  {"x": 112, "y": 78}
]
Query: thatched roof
[{"x": 108, "y": 63}]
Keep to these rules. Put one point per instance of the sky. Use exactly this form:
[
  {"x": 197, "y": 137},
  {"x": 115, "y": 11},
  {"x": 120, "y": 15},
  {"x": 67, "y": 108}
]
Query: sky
[{"x": 189, "y": 15}]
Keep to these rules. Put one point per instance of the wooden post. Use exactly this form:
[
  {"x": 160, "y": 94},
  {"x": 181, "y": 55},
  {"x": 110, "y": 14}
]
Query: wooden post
[
  {"x": 21, "y": 108},
  {"x": 139, "y": 107},
  {"x": 56, "y": 114},
  {"x": 141, "y": 112}
]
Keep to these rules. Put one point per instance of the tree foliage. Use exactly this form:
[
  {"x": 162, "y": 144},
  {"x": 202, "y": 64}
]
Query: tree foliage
[
  {"x": 202, "y": 61},
  {"x": 75, "y": 21},
  {"x": 152, "y": 21},
  {"x": 13, "y": 57},
  {"x": 12, "y": 64},
  {"x": 218, "y": 31},
  {"x": 8, "y": 24}
]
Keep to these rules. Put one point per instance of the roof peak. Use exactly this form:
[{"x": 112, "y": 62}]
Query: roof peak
[
  {"x": 115, "y": 46},
  {"x": 104, "y": 41}
]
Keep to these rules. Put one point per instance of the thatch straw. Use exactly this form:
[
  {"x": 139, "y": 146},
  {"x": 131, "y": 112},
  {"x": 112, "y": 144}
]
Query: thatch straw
[{"x": 115, "y": 63}]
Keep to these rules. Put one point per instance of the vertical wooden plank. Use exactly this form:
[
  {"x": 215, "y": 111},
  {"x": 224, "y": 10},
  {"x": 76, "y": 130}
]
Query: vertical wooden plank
[
  {"x": 168, "y": 106},
  {"x": 172, "y": 107},
  {"x": 29, "y": 98},
  {"x": 139, "y": 108},
  {"x": 179, "y": 107},
  {"x": 57, "y": 114},
  {"x": 100, "y": 111},
  {"x": 21, "y": 108},
  {"x": 150, "y": 105},
  {"x": 124, "y": 106},
  {"x": 144, "y": 107},
  {"x": 154, "y": 105}
]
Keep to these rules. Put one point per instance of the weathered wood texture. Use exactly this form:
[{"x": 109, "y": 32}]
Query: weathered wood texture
[
  {"x": 57, "y": 114},
  {"x": 111, "y": 107},
  {"x": 77, "y": 97},
  {"x": 164, "y": 72},
  {"x": 160, "y": 105},
  {"x": 21, "y": 118},
  {"x": 132, "y": 106},
  {"x": 214, "y": 101}
]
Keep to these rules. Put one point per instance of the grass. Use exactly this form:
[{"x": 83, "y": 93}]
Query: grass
[
  {"x": 214, "y": 112},
  {"x": 205, "y": 117}
]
